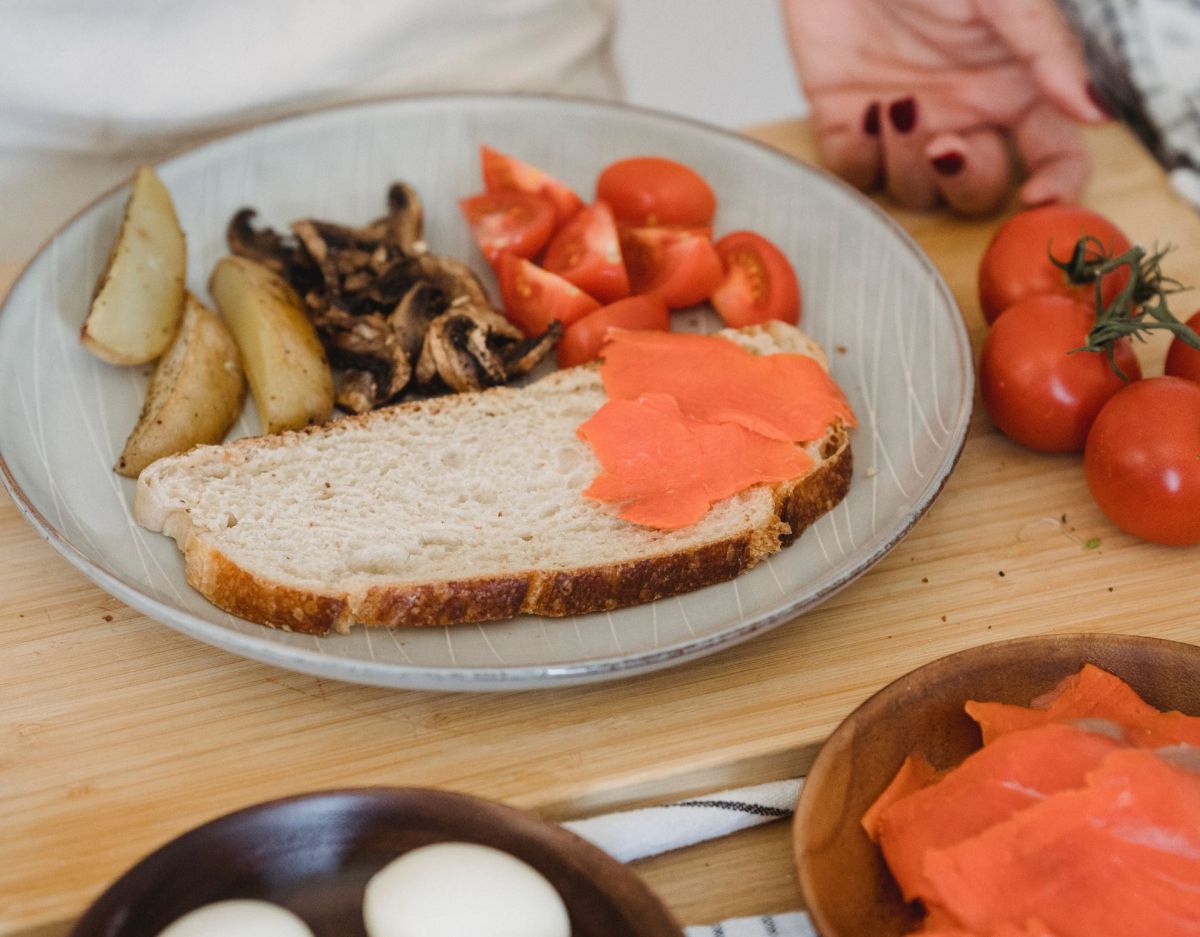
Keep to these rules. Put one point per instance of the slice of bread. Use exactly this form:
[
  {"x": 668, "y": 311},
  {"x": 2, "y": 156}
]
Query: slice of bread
[{"x": 456, "y": 509}]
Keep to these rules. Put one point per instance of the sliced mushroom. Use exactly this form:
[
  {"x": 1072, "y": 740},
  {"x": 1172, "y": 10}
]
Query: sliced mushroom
[
  {"x": 270, "y": 249},
  {"x": 454, "y": 278},
  {"x": 366, "y": 343},
  {"x": 410, "y": 320},
  {"x": 466, "y": 352},
  {"x": 524, "y": 355},
  {"x": 356, "y": 392},
  {"x": 446, "y": 359},
  {"x": 406, "y": 219}
]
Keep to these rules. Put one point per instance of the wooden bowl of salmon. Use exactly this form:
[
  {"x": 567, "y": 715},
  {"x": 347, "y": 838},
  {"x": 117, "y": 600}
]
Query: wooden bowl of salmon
[{"x": 847, "y": 886}]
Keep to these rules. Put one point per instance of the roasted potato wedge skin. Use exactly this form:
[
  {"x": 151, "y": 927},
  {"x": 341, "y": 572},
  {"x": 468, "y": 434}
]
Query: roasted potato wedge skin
[
  {"x": 139, "y": 298},
  {"x": 195, "y": 393},
  {"x": 284, "y": 360}
]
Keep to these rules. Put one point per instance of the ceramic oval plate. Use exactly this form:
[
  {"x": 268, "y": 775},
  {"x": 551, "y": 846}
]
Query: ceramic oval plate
[{"x": 871, "y": 298}]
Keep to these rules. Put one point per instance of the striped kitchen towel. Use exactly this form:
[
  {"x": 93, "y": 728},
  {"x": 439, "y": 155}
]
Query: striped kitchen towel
[{"x": 648, "y": 831}]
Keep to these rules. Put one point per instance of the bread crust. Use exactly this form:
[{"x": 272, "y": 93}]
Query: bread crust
[{"x": 576, "y": 591}]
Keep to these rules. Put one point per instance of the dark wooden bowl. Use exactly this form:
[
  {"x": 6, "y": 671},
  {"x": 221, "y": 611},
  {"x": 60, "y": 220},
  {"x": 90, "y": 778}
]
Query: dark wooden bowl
[
  {"x": 846, "y": 884},
  {"x": 314, "y": 854}
]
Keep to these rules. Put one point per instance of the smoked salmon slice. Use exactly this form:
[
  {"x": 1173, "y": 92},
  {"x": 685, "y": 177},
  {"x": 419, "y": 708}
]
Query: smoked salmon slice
[
  {"x": 669, "y": 468},
  {"x": 1015, "y": 771},
  {"x": 914, "y": 774},
  {"x": 1119, "y": 857},
  {"x": 1031, "y": 928},
  {"x": 783, "y": 396},
  {"x": 1092, "y": 693}
]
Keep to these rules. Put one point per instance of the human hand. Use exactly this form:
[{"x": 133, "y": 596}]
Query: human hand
[{"x": 924, "y": 97}]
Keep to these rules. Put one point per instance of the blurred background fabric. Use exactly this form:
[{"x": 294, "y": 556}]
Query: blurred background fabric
[
  {"x": 1145, "y": 58},
  {"x": 714, "y": 60}
]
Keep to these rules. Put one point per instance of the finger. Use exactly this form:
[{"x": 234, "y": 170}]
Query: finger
[
  {"x": 848, "y": 144},
  {"x": 909, "y": 178},
  {"x": 1038, "y": 34},
  {"x": 1051, "y": 147},
  {"x": 971, "y": 170}
]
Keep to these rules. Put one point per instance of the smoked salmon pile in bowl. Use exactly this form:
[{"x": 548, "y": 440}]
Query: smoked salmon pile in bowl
[{"x": 1040, "y": 787}]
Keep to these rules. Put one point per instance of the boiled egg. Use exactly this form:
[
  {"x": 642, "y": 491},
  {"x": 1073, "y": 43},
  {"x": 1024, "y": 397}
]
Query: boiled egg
[
  {"x": 239, "y": 917},
  {"x": 452, "y": 889}
]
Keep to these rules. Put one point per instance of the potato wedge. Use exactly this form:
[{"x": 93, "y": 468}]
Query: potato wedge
[
  {"x": 285, "y": 363},
  {"x": 139, "y": 297},
  {"x": 195, "y": 393}
]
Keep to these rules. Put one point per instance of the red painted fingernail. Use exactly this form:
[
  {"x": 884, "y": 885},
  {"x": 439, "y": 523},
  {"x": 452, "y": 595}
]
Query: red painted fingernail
[
  {"x": 1098, "y": 99},
  {"x": 903, "y": 114},
  {"x": 949, "y": 164},
  {"x": 871, "y": 120}
]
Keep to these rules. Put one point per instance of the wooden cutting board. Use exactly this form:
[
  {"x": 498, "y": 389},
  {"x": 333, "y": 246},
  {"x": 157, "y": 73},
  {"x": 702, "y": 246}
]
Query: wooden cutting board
[{"x": 117, "y": 733}]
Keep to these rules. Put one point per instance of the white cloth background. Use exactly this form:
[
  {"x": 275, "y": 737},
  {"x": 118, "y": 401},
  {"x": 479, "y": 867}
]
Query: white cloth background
[{"x": 90, "y": 89}]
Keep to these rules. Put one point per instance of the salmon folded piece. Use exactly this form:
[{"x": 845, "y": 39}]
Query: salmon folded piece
[
  {"x": 669, "y": 469},
  {"x": 1031, "y": 928},
  {"x": 1090, "y": 694},
  {"x": 913, "y": 775},
  {"x": 1119, "y": 857},
  {"x": 1011, "y": 774},
  {"x": 782, "y": 396}
]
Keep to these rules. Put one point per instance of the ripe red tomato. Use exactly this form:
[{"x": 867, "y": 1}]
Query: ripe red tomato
[
  {"x": 502, "y": 172},
  {"x": 1037, "y": 389},
  {"x": 582, "y": 341},
  {"x": 679, "y": 265},
  {"x": 508, "y": 222},
  {"x": 651, "y": 191},
  {"x": 759, "y": 283},
  {"x": 533, "y": 297},
  {"x": 586, "y": 252},
  {"x": 1142, "y": 460},
  {"x": 1016, "y": 266},
  {"x": 1182, "y": 359}
]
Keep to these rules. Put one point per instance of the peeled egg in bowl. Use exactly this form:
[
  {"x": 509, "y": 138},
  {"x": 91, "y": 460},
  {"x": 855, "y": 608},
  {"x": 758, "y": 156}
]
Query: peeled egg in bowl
[
  {"x": 238, "y": 917},
  {"x": 452, "y": 889}
]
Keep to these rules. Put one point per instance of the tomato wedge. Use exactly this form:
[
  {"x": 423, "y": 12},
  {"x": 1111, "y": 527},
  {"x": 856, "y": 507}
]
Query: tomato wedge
[
  {"x": 586, "y": 252},
  {"x": 533, "y": 297},
  {"x": 582, "y": 341},
  {"x": 680, "y": 266},
  {"x": 509, "y": 222},
  {"x": 649, "y": 191},
  {"x": 502, "y": 172},
  {"x": 758, "y": 284}
]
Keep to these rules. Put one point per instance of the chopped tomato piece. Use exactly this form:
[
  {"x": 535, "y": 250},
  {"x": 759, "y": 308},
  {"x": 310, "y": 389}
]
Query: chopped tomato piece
[
  {"x": 582, "y": 341},
  {"x": 650, "y": 190},
  {"x": 533, "y": 297},
  {"x": 509, "y": 222},
  {"x": 678, "y": 264},
  {"x": 502, "y": 172},
  {"x": 586, "y": 252},
  {"x": 758, "y": 284}
]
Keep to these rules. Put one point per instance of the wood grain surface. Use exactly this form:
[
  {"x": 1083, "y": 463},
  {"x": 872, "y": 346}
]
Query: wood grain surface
[{"x": 117, "y": 733}]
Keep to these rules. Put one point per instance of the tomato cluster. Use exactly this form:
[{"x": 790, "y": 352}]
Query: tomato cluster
[
  {"x": 641, "y": 249},
  {"x": 1058, "y": 280}
]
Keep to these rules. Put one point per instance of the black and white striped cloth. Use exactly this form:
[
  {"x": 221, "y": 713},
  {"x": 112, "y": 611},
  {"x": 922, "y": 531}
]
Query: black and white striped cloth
[
  {"x": 1145, "y": 59},
  {"x": 636, "y": 834}
]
